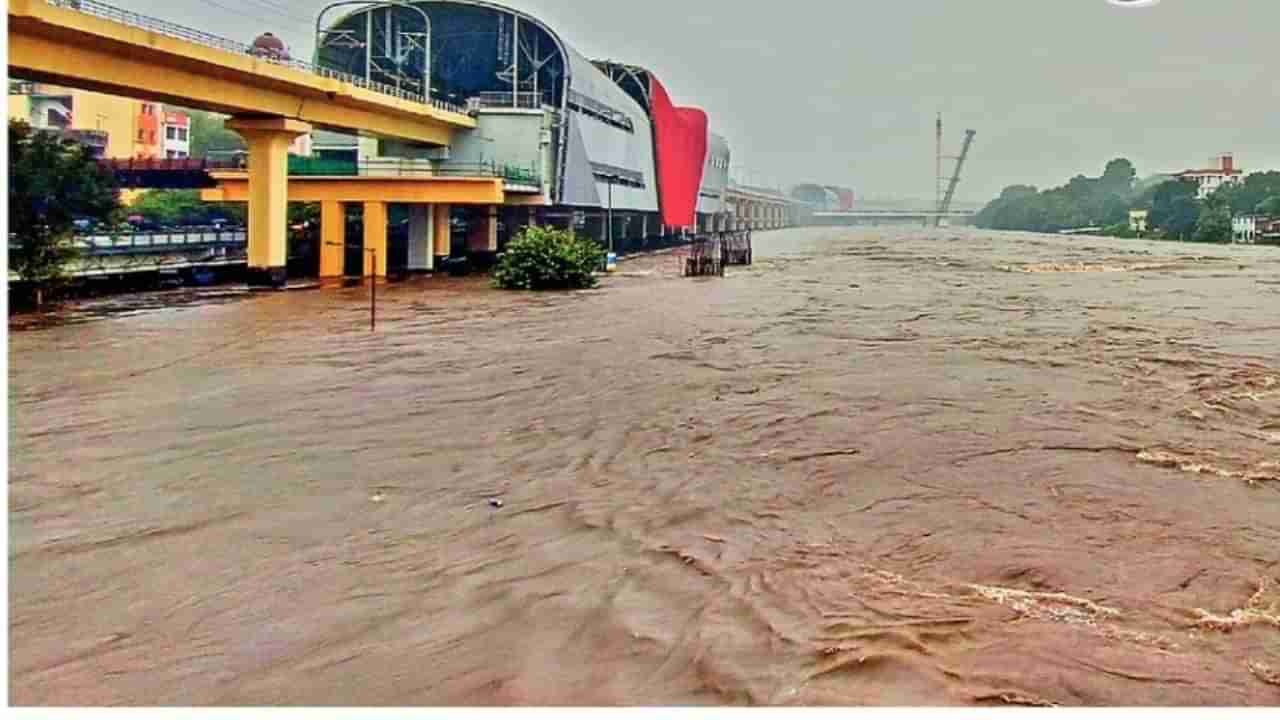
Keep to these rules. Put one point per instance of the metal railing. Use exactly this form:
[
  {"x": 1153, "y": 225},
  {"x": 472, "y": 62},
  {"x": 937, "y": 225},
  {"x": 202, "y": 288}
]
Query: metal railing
[
  {"x": 390, "y": 167},
  {"x": 525, "y": 100},
  {"x": 164, "y": 27},
  {"x": 178, "y": 239}
]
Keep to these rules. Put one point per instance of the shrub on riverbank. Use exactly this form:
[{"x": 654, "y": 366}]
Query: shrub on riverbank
[{"x": 543, "y": 258}]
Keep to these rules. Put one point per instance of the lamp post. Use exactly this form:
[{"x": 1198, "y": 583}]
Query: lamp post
[{"x": 611, "y": 178}]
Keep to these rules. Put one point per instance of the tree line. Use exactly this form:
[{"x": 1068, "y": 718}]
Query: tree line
[{"x": 1174, "y": 211}]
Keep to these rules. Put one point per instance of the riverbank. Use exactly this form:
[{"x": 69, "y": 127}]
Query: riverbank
[{"x": 884, "y": 467}]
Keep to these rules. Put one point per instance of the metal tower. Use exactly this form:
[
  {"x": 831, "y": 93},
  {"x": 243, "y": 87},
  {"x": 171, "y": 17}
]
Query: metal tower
[{"x": 944, "y": 207}]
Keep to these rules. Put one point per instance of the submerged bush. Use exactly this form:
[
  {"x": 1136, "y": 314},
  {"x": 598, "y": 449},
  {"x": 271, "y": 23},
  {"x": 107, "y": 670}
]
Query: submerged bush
[{"x": 543, "y": 258}]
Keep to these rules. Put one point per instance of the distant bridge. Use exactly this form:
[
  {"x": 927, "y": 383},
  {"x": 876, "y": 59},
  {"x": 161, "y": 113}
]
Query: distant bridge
[
  {"x": 131, "y": 253},
  {"x": 868, "y": 217}
]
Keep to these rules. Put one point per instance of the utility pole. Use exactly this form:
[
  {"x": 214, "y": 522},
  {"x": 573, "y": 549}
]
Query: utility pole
[{"x": 937, "y": 177}]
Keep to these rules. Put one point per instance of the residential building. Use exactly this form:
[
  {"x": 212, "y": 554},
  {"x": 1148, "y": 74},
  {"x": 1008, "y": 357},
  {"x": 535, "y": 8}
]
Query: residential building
[
  {"x": 104, "y": 122},
  {"x": 1244, "y": 229},
  {"x": 1138, "y": 220},
  {"x": 1221, "y": 171},
  {"x": 148, "y": 142},
  {"x": 177, "y": 135}
]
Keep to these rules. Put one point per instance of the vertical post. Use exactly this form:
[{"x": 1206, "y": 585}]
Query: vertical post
[
  {"x": 368, "y": 47},
  {"x": 491, "y": 243},
  {"x": 609, "y": 232},
  {"x": 375, "y": 238},
  {"x": 373, "y": 295},
  {"x": 515, "y": 58},
  {"x": 443, "y": 231},
  {"x": 937, "y": 178},
  {"x": 421, "y": 229}
]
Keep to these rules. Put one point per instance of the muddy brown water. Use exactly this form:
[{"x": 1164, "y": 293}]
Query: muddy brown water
[{"x": 882, "y": 467}]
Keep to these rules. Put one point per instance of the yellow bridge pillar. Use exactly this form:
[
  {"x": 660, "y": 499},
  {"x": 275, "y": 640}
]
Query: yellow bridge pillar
[
  {"x": 333, "y": 239},
  {"x": 444, "y": 230},
  {"x": 375, "y": 238},
  {"x": 268, "y": 140}
]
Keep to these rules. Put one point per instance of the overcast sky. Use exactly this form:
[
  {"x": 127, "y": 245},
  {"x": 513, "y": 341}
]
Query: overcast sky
[{"x": 846, "y": 91}]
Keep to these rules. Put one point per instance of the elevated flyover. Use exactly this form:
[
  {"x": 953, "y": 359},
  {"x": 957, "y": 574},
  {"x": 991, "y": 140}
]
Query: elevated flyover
[
  {"x": 94, "y": 46},
  {"x": 272, "y": 98}
]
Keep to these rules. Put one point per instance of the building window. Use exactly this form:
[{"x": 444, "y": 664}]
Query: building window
[
  {"x": 153, "y": 137},
  {"x": 171, "y": 133},
  {"x": 182, "y": 134},
  {"x": 142, "y": 136},
  {"x": 171, "y": 154}
]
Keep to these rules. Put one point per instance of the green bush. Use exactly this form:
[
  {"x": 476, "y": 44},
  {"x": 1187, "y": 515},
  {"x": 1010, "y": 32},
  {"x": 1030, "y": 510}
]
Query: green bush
[
  {"x": 1120, "y": 230},
  {"x": 543, "y": 258}
]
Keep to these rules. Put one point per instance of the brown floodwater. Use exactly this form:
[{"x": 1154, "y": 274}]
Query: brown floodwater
[{"x": 881, "y": 467}]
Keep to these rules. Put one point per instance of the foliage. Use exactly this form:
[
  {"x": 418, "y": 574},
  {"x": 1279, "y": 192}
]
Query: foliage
[
  {"x": 1120, "y": 230},
  {"x": 183, "y": 207},
  {"x": 1269, "y": 207},
  {"x": 1118, "y": 178},
  {"x": 53, "y": 181},
  {"x": 544, "y": 258},
  {"x": 1214, "y": 224},
  {"x": 208, "y": 133},
  {"x": 1082, "y": 202},
  {"x": 1175, "y": 210},
  {"x": 1244, "y": 198}
]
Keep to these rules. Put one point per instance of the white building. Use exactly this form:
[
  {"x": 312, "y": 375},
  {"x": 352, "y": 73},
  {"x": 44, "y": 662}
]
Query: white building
[
  {"x": 1221, "y": 171},
  {"x": 176, "y": 135},
  {"x": 1244, "y": 230}
]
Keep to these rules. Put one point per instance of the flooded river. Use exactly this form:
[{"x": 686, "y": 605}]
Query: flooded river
[{"x": 883, "y": 467}]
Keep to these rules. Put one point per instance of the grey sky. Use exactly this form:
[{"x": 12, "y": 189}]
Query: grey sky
[{"x": 845, "y": 91}]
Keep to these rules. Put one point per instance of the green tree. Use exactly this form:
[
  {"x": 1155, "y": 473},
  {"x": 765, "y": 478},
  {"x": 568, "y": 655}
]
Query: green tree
[
  {"x": 53, "y": 181},
  {"x": 1174, "y": 209},
  {"x": 1119, "y": 177},
  {"x": 1083, "y": 201},
  {"x": 1244, "y": 197},
  {"x": 209, "y": 133},
  {"x": 183, "y": 207},
  {"x": 1214, "y": 225},
  {"x": 1269, "y": 207},
  {"x": 543, "y": 258}
]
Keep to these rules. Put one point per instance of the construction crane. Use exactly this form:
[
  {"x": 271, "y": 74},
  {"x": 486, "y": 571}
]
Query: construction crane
[{"x": 945, "y": 206}]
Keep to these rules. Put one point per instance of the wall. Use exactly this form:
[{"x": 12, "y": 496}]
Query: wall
[
  {"x": 610, "y": 145},
  {"x": 20, "y": 108},
  {"x": 715, "y": 177},
  {"x": 507, "y": 137},
  {"x": 114, "y": 115}
]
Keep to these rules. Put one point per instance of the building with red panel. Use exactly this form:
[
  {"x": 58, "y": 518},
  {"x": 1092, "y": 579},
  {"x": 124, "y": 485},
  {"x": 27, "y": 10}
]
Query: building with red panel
[{"x": 599, "y": 147}]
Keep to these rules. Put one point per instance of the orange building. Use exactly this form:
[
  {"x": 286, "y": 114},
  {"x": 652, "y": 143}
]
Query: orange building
[{"x": 149, "y": 140}]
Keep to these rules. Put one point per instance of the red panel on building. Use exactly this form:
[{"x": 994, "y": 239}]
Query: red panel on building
[
  {"x": 846, "y": 198},
  {"x": 681, "y": 136}
]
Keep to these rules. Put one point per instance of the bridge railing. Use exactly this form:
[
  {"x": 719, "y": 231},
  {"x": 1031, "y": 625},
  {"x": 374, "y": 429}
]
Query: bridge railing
[
  {"x": 164, "y": 27},
  {"x": 512, "y": 175},
  {"x": 178, "y": 239}
]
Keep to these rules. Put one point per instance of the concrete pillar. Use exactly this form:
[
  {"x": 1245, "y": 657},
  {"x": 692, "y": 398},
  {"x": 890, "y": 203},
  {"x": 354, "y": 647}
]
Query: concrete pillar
[
  {"x": 375, "y": 238},
  {"x": 333, "y": 239},
  {"x": 422, "y": 255},
  {"x": 493, "y": 229},
  {"x": 268, "y": 140},
  {"x": 443, "y": 230}
]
